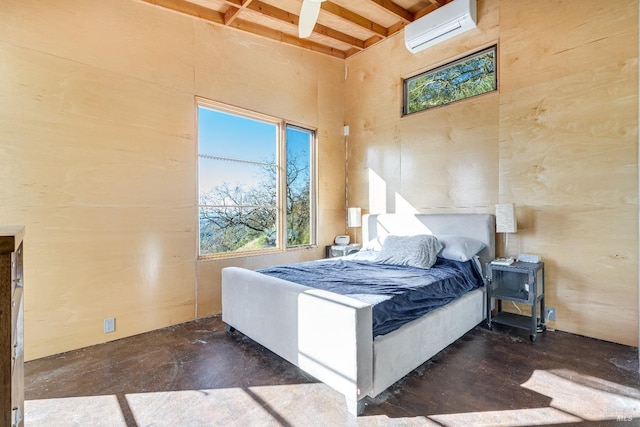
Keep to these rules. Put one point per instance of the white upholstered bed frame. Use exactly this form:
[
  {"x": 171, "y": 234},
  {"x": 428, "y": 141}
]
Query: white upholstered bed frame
[{"x": 330, "y": 336}]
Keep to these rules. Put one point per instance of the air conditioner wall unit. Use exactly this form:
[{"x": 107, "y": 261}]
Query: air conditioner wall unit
[{"x": 443, "y": 23}]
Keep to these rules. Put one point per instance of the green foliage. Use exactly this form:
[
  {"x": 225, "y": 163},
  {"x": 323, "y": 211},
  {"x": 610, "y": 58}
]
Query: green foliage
[
  {"x": 239, "y": 219},
  {"x": 461, "y": 80}
]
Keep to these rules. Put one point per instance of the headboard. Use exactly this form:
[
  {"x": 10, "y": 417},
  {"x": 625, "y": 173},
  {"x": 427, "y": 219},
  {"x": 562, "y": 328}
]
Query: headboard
[{"x": 481, "y": 227}]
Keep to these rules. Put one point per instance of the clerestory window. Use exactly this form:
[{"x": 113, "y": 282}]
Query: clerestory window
[{"x": 472, "y": 75}]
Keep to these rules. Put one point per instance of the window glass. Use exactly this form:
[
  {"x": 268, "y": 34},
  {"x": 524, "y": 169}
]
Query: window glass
[
  {"x": 470, "y": 76},
  {"x": 248, "y": 172},
  {"x": 232, "y": 136},
  {"x": 299, "y": 194}
]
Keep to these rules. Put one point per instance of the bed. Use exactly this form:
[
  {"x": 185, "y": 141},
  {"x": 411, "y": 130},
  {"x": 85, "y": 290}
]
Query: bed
[{"x": 330, "y": 336}]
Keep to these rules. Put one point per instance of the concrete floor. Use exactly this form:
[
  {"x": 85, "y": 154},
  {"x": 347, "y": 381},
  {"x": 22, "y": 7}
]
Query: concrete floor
[{"x": 196, "y": 374}]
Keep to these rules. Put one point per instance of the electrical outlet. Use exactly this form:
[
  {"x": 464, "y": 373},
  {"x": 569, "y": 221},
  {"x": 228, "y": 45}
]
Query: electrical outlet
[
  {"x": 551, "y": 313},
  {"x": 109, "y": 325}
]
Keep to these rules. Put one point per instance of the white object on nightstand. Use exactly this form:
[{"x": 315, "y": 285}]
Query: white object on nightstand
[
  {"x": 529, "y": 258},
  {"x": 342, "y": 239},
  {"x": 502, "y": 261}
]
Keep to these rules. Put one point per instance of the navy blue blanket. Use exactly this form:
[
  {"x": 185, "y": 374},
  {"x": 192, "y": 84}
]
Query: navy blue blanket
[{"x": 398, "y": 294}]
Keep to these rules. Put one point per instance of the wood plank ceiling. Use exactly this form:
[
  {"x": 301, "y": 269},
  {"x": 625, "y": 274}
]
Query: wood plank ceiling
[{"x": 344, "y": 27}]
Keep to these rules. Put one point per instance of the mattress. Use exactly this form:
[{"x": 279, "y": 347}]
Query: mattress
[{"x": 397, "y": 294}]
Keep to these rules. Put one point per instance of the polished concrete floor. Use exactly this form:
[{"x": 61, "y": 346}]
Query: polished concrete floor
[{"x": 196, "y": 374}]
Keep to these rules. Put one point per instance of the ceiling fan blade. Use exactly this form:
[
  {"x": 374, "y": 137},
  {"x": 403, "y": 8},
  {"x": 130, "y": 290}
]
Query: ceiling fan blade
[{"x": 308, "y": 17}]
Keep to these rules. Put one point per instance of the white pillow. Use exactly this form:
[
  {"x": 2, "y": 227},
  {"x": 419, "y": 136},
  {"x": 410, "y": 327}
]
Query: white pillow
[
  {"x": 417, "y": 251},
  {"x": 459, "y": 248},
  {"x": 374, "y": 244}
]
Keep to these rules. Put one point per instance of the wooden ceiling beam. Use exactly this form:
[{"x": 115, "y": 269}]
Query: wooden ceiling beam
[
  {"x": 286, "y": 38},
  {"x": 426, "y": 10},
  {"x": 290, "y": 18},
  {"x": 234, "y": 18},
  {"x": 354, "y": 18},
  {"x": 372, "y": 40},
  {"x": 398, "y": 11},
  {"x": 274, "y": 12},
  {"x": 439, "y": 3},
  {"x": 231, "y": 14},
  {"x": 188, "y": 8},
  {"x": 337, "y": 35},
  {"x": 235, "y": 7}
]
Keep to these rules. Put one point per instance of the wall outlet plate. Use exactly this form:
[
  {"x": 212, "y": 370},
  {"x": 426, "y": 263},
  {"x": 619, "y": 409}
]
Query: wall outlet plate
[
  {"x": 550, "y": 313},
  {"x": 109, "y": 325}
]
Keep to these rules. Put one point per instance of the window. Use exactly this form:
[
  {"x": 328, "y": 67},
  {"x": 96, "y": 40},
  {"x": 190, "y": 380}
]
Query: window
[
  {"x": 256, "y": 181},
  {"x": 470, "y": 76}
]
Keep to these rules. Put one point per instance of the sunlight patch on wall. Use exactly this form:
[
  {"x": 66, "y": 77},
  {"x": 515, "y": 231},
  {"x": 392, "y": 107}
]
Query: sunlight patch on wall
[
  {"x": 150, "y": 262},
  {"x": 377, "y": 193},
  {"x": 403, "y": 206}
]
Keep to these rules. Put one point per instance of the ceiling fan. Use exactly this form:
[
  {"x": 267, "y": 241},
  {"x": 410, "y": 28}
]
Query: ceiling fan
[{"x": 308, "y": 16}]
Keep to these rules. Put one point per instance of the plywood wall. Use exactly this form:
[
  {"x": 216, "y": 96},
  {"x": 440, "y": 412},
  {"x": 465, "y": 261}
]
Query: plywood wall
[
  {"x": 559, "y": 139},
  {"x": 568, "y": 155},
  {"x": 98, "y": 157}
]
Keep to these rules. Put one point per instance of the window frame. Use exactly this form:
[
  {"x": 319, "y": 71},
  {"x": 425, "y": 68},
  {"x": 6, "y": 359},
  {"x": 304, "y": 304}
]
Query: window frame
[
  {"x": 406, "y": 81},
  {"x": 281, "y": 178},
  {"x": 313, "y": 185}
]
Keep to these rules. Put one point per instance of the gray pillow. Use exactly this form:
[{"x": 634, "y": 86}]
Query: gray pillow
[
  {"x": 417, "y": 251},
  {"x": 459, "y": 248}
]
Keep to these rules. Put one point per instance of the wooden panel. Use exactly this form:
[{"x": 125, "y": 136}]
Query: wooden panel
[
  {"x": 134, "y": 264},
  {"x": 561, "y": 146},
  {"x": 85, "y": 137},
  {"x": 541, "y": 42},
  {"x": 568, "y": 156},
  {"x": 128, "y": 37},
  {"x": 455, "y": 161},
  {"x": 110, "y": 198}
]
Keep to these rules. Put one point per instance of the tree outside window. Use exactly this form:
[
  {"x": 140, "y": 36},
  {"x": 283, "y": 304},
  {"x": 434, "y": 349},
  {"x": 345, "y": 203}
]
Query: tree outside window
[{"x": 470, "y": 76}]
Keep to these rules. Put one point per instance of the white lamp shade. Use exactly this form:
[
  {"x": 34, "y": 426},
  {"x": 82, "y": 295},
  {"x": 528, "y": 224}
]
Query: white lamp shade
[
  {"x": 506, "y": 221},
  {"x": 354, "y": 217}
]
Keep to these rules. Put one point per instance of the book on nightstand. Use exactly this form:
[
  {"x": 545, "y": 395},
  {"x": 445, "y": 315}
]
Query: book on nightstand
[{"x": 503, "y": 261}]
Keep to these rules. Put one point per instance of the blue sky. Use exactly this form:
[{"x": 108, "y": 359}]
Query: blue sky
[{"x": 226, "y": 135}]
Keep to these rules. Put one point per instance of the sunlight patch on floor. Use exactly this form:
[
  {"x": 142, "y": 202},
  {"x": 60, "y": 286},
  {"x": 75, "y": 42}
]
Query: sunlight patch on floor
[
  {"x": 293, "y": 405},
  {"x": 575, "y": 398},
  {"x": 510, "y": 418},
  {"x": 95, "y": 411},
  {"x": 587, "y": 397}
]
